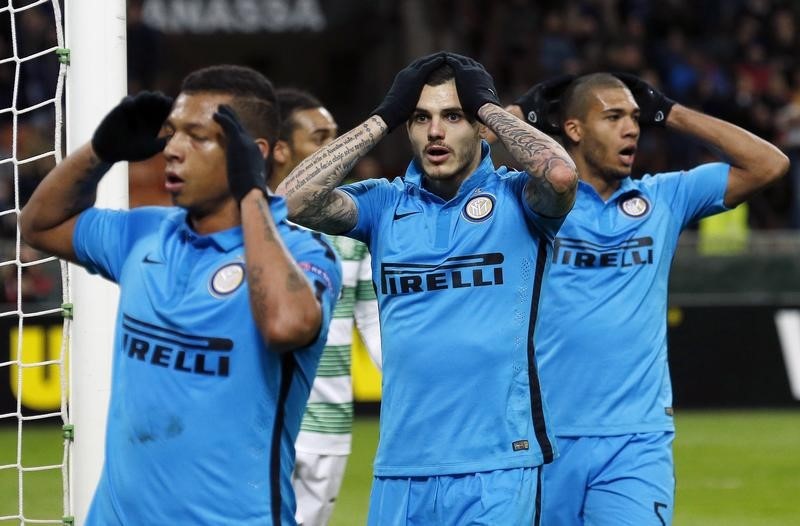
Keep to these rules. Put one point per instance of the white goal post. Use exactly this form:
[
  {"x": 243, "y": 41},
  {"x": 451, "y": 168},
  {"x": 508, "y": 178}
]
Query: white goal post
[{"x": 96, "y": 80}]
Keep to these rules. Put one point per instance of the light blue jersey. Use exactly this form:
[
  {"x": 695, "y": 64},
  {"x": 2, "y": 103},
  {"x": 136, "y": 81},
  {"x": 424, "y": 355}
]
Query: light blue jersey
[
  {"x": 602, "y": 343},
  {"x": 203, "y": 416},
  {"x": 458, "y": 286}
]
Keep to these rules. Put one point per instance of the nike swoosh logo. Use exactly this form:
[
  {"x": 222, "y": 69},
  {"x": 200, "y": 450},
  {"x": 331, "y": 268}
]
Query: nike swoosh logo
[
  {"x": 401, "y": 216},
  {"x": 148, "y": 260}
]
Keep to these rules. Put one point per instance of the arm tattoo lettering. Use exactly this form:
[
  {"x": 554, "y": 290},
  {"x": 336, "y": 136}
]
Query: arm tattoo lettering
[{"x": 310, "y": 188}]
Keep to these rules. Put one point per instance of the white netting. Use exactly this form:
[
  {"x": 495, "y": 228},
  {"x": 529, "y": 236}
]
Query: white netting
[{"x": 33, "y": 338}]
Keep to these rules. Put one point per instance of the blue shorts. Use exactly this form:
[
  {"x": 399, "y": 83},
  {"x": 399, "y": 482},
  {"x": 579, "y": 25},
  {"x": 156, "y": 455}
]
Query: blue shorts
[
  {"x": 507, "y": 497},
  {"x": 626, "y": 480}
]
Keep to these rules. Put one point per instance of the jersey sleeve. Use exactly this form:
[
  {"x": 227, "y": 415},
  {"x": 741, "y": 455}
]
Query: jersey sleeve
[
  {"x": 366, "y": 310},
  {"x": 547, "y": 226},
  {"x": 103, "y": 238},
  {"x": 371, "y": 197},
  {"x": 322, "y": 268},
  {"x": 696, "y": 193}
]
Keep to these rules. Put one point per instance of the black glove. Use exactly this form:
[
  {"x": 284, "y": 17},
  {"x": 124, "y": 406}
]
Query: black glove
[
  {"x": 474, "y": 84},
  {"x": 402, "y": 97},
  {"x": 130, "y": 131},
  {"x": 654, "y": 106},
  {"x": 246, "y": 165},
  {"x": 540, "y": 104}
]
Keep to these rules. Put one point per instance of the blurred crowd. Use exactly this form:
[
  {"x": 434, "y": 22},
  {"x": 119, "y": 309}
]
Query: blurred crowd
[
  {"x": 735, "y": 59},
  {"x": 738, "y": 60}
]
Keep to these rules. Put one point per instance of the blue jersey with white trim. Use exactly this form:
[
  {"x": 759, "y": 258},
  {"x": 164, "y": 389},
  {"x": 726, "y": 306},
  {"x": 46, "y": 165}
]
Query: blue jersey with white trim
[
  {"x": 457, "y": 283},
  {"x": 203, "y": 416},
  {"x": 603, "y": 341}
]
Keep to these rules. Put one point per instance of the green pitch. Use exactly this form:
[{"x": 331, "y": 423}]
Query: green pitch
[{"x": 734, "y": 468}]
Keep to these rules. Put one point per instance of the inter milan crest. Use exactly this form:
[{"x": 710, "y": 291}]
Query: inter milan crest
[
  {"x": 635, "y": 206},
  {"x": 227, "y": 279},
  {"x": 479, "y": 207}
]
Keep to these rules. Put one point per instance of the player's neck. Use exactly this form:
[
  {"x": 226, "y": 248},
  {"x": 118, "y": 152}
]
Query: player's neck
[
  {"x": 225, "y": 217},
  {"x": 604, "y": 184}
]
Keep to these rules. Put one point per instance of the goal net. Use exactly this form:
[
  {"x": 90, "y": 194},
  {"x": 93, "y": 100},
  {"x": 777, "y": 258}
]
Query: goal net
[
  {"x": 35, "y": 425},
  {"x": 58, "y": 76}
]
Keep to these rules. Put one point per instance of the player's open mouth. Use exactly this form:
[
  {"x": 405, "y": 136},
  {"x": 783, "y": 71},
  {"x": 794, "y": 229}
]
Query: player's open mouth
[
  {"x": 173, "y": 183},
  {"x": 627, "y": 155},
  {"x": 437, "y": 154}
]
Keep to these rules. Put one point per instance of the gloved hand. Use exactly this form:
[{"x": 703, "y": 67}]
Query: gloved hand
[
  {"x": 246, "y": 165},
  {"x": 540, "y": 104},
  {"x": 130, "y": 131},
  {"x": 402, "y": 97},
  {"x": 654, "y": 106},
  {"x": 474, "y": 84}
]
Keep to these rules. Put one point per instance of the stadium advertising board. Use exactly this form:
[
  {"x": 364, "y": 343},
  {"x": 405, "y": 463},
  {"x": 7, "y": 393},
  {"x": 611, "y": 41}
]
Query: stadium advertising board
[{"x": 37, "y": 387}]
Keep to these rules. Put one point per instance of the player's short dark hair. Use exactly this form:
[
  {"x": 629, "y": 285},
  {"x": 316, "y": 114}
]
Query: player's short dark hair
[
  {"x": 291, "y": 100},
  {"x": 576, "y": 100},
  {"x": 440, "y": 75},
  {"x": 253, "y": 96}
]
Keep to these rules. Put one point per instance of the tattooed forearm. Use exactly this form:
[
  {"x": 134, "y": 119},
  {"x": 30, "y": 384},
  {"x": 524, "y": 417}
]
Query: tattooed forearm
[
  {"x": 294, "y": 281},
  {"x": 258, "y": 291},
  {"x": 266, "y": 217},
  {"x": 83, "y": 193},
  {"x": 551, "y": 188},
  {"x": 309, "y": 189}
]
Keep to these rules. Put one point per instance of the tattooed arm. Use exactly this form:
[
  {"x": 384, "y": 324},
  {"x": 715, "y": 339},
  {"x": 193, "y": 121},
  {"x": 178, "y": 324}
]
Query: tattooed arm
[
  {"x": 48, "y": 219},
  {"x": 310, "y": 189},
  {"x": 550, "y": 191},
  {"x": 283, "y": 303}
]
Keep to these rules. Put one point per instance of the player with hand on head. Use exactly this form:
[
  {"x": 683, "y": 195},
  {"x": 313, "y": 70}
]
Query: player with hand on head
[
  {"x": 608, "y": 383},
  {"x": 459, "y": 252},
  {"x": 223, "y": 312},
  {"x": 323, "y": 444}
]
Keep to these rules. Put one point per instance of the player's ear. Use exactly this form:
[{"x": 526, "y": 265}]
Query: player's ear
[
  {"x": 281, "y": 152},
  {"x": 485, "y": 133},
  {"x": 572, "y": 130}
]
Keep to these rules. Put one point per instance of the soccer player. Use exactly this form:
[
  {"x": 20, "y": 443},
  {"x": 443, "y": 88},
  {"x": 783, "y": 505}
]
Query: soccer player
[
  {"x": 223, "y": 312},
  {"x": 326, "y": 431},
  {"x": 459, "y": 252},
  {"x": 602, "y": 343}
]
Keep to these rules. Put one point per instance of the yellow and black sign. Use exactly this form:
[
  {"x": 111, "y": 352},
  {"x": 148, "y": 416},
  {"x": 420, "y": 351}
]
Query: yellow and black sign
[{"x": 31, "y": 365}]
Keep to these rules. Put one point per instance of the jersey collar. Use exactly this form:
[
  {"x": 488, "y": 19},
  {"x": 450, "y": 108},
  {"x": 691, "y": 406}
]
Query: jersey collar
[
  {"x": 626, "y": 186},
  {"x": 227, "y": 240}
]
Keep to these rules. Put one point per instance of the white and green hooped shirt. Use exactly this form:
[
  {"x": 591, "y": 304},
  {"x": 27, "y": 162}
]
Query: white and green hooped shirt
[{"x": 327, "y": 423}]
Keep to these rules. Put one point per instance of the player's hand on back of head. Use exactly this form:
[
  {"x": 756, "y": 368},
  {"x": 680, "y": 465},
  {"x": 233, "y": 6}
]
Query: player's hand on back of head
[
  {"x": 540, "y": 104},
  {"x": 474, "y": 84},
  {"x": 654, "y": 106},
  {"x": 246, "y": 164},
  {"x": 129, "y": 132},
  {"x": 401, "y": 99}
]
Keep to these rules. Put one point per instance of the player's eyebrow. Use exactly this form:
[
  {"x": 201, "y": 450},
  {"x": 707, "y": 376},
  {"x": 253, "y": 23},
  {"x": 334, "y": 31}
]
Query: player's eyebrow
[
  {"x": 190, "y": 126},
  {"x": 618, "y": 111},
  {"x": 454, "y": 109},
  {"x": 324, "y": 129}
]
